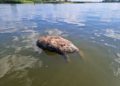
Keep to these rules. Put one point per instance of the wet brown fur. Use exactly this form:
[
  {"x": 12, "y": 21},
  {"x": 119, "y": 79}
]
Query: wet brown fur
[{"x": 57, "y": 44}]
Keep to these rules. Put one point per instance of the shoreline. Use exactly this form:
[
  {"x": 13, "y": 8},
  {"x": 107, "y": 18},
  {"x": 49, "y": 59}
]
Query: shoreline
[
  {"x": 54, "y": 2},
  {"x": 69, "y": 2}
]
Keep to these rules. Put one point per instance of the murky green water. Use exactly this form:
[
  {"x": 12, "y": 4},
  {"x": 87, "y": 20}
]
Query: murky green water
[{"x": 94, "y": 28}]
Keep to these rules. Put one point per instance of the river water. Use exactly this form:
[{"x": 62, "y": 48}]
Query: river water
[{"x": 93, "y": 28}]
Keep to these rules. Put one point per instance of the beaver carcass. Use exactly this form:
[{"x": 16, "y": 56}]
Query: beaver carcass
[{"x": 57, "y": 44}]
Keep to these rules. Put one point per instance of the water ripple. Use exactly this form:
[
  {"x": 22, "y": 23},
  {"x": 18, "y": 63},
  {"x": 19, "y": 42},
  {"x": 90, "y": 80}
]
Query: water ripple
[
  {"x": 56, "y": 32},
  {"x": 112, "y": 34}
]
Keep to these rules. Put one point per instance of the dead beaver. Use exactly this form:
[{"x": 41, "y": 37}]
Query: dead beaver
[{"x": 57, "y": 44}]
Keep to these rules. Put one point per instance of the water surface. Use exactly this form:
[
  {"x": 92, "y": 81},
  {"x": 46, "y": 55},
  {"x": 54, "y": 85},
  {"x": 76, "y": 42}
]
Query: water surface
[{"x": 93, "y": 28}]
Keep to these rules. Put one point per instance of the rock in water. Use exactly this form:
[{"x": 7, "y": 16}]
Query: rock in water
[{"x": 57, "y": 44}]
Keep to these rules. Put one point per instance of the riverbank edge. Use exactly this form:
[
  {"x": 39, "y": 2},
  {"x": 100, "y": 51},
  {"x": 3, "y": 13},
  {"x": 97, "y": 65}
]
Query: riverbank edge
[
  {"x": 45, "y": 2},
  {"x": 51, "y": 2}
]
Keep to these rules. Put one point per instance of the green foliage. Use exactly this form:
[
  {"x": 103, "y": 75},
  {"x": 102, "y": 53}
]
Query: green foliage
[
  {"x": 29, "y": 1},
  {"x": 15, "y": 1}
]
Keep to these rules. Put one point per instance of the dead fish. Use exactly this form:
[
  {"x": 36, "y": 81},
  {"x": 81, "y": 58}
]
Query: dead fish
[{"x": 58, "y": 44}]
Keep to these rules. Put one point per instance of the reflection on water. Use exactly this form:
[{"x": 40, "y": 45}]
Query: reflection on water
[
  {"x": 94, "y": 28},
  {"x": 112, "y": 34},
  {"x": 12, "y": 63}
]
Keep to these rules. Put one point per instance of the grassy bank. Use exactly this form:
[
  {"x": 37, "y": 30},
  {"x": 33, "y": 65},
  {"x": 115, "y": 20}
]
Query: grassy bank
[
  {"x": 38, "y": 1},
  {"x": 28, "y": 1},
  {"x": 17, "y": 1}
]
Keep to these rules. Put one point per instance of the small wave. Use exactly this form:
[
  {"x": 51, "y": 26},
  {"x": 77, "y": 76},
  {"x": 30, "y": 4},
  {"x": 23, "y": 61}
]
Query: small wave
[
  {"x": 18, "y": 49},
  {"x": 117, "y": 72},
  {"x": 97, "y": 34},
  {"x": 75, "y": 23},
  {"x": 80, "y": 24},
  {"x": 92, "y": 37},
  {"x": 117, "y": 60},
  {"x": 118, "y": 55},
  {"x": 109, "y": 45},
  {"x": 8, "y": 30},
  {"x": 106, "y": 20},
  {"x": 15, "y": 38},
  {"x": 116, "y": 65},
  {"x": 112, "y": 34},
  {"x": 55, "y": 32},
  {"x": 102, "y": 40}
]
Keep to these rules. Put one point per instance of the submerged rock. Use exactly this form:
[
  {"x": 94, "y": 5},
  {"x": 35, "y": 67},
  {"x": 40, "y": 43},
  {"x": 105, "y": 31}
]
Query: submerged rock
[{"x": 57, "y": 44}]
